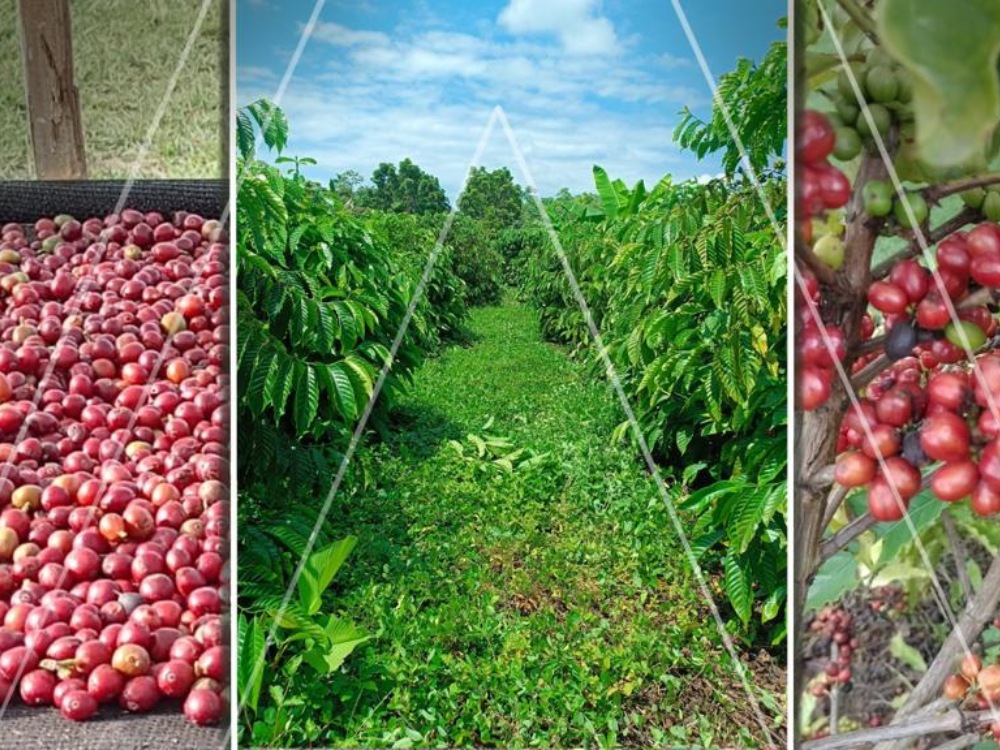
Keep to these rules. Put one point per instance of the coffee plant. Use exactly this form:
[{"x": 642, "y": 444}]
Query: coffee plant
[
  {"x": 441, "y": 310},
  {"x": 475, "y": 260},
  {"x": 897, "y": 255},
  {"x": 321, "y": 295},
  {"x": 687, "y": 286},
  {"x": 475, "y": 253}
]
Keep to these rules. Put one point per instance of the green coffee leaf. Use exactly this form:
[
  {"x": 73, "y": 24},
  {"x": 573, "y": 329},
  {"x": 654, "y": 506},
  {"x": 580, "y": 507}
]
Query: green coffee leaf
[
  {"x": 836, "y": 577},
  {"x": 907, "y": 654},
  {"x": 956, "y": 97},
  {"x": 924, "y": 510}
]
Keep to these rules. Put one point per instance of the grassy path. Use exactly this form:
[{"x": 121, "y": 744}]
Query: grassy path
[{"x": 550, "y": 606}]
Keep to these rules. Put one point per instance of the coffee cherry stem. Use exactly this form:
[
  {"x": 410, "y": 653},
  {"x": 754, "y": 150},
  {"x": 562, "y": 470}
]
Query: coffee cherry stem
[
  {"x": 869, "y": 371},
  {"x": 839, "y": 541},
  {"x": 837, "y": 496},
  {"x": 932, "y": 237},
  {"x": 919, "y": 725},
  {"x": 874, "y": 344},
  {"x": 807, "y": 258},
  {"x": 861, "y": 17},
  {"x": 934, "y": 193},
  {"x": 834, "y": 692},
  {"x": 823, "y": 478},
  {"x": 855, "y": 528},
  {"x": 958, "y": 552}
]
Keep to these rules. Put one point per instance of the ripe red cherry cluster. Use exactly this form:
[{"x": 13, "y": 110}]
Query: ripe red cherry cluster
[
  {"x": 974, "y": 682},
  {"x": 874, "y": 427},
  {"x": 113, "y": 462},
  {"x": 912, "y": 300},
  {"x": 837, "y": 625},
  {"x": 823, "y": 186},
  {"x": 911, "y": 423},
  {"x": 815, "y": 379},
  {"x": 886, "y": 599}
]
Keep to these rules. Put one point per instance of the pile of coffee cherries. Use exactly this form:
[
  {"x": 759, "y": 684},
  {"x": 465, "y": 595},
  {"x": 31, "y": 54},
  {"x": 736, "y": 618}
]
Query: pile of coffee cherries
[{"x": 114, "y": 399}]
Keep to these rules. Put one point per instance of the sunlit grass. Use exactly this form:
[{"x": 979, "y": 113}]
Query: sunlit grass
[
  {"x": 550, "y": 607},
  {"x": 125, "y": 53}
]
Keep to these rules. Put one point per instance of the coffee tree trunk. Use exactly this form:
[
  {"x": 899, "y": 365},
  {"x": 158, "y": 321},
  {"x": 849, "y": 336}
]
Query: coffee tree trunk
[{"x": 844, "y": 304}]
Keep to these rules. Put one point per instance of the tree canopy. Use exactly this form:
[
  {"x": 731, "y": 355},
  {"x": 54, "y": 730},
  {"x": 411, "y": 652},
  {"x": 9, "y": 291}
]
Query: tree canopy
[
  {"x": 755, "y": 96},
  {"x": 493, "y": 198},
  {"x": 406, "y": 189},
  {"x": 347, "y": 185}
]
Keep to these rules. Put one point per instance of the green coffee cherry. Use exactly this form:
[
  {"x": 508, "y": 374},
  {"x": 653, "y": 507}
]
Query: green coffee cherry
[
  {"x": 974, "y": 198},
  {"x": 880, "y": 116},
  {"x": 918, "y": 207},
  {"x": 991, "y": 206},
  {"x": 974, "y": 336},
  {"x": 876, "y": 196},
  {"x": 882, "y": 84},
  {"x": 829, "y": 249},
  {"x": 848, "y": 144}
]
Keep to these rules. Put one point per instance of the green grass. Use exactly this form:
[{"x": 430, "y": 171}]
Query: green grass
[
  {"x": 125, "y": 53},
  {"x": 551, "y": 606}
]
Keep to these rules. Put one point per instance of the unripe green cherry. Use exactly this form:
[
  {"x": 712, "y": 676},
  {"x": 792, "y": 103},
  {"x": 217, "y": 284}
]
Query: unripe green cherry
[
  {"x": 829, "y": 249},
  {"x": 880, "y": 116},
  {"x": 882, "y": 84},
  {"x": 848, "y": 144},
  {"x": 918, "y": 206},
  {"x": 974, "y": 198},
  {"x": 974, "y": 336},
  {"x": 991, "y": 206},
  {"x": 876, "y": 196}
]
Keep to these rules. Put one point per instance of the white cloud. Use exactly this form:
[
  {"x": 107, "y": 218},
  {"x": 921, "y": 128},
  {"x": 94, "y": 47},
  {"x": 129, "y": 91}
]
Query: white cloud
[
  {"x": 341, "y": 36},
  {"x": 354, "y": 128},
  {"x": 425, "y": 92},
  {"x": 256, "y": 74},
  {"x": 577, "y": 23},
  {"x": 512, "y": 68},
  {"x": 673, "y": 62},
  {"x": 363, "y": 6}
]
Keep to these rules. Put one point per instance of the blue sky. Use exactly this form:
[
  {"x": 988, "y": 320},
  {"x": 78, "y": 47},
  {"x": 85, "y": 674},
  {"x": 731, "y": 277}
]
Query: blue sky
[{"x": 583, "y": 82}]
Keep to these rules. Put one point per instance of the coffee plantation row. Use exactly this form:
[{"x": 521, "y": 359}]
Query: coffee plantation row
[{"x": 685, "y": 282}]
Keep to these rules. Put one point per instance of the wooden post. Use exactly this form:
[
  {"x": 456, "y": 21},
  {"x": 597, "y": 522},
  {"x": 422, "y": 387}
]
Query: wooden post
[
  {"x": 226, "y": 18},
  {"x": 52, "y": 98}
]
